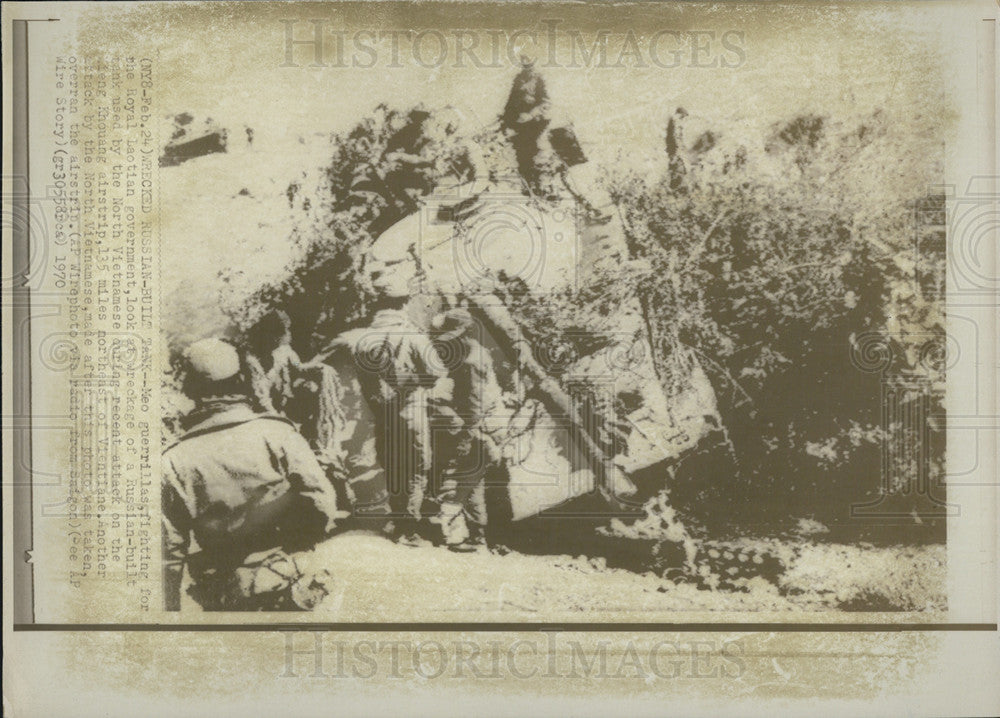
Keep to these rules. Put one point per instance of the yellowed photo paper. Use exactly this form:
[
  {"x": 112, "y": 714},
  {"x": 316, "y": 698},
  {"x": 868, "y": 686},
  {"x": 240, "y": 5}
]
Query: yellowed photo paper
[{"x": 482, "y": 358}]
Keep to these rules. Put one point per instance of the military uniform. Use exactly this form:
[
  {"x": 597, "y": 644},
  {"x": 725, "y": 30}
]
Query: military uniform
[
  {"x": 235, "y": 484},
  {"x": 399, "y": 370},
  {"x": 476, "y": 397},
  {"x": 274, "y": 387},
  {"x": 466, "y": 453}
]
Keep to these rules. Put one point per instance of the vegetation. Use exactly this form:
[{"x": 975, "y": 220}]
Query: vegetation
[
  {"x": 771, "y": 261},
  {"x": 376, "y": 175},
  {"x": 773, "y": 267}
]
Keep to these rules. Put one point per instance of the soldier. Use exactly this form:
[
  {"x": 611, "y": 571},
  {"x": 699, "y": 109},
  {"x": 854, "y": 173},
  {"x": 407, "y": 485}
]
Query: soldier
[
  {"x": 403, "y": 381},
  {"x": 467, "y": 452},
  {"x": 308, "y": 393},
  {"x": 244, "y": 488},
  {"x": 272, "y": 362}
]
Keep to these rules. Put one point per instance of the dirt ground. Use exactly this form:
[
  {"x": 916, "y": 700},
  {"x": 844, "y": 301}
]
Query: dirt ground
[{"x": 376, "y": 579}]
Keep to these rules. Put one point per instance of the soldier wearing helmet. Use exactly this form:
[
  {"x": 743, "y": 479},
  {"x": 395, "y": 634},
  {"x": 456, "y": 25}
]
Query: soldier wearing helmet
[{"x": 239, "y": 489}]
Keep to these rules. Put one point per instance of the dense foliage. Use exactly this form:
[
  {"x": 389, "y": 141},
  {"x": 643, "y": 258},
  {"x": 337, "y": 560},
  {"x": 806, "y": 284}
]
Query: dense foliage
[
  {"x": 773, "y": 266},
  {"x": 376, "y": 175}
]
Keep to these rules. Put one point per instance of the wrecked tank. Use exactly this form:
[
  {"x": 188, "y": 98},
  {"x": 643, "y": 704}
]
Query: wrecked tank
[
  {"x": 586, "y": 411},
  {"x": 577, "y": 422}
]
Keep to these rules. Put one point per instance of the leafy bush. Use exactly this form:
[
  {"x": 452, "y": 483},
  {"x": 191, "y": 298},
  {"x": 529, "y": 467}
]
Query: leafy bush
[
  {"x": 376, "y": 175},
  {"x": 769, "y": 265}
]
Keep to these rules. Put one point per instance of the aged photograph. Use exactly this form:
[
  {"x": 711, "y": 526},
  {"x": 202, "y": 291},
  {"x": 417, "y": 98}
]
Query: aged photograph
[
  {"x": 467, "y": 357},
  {"x": 520, "y": 318}
]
